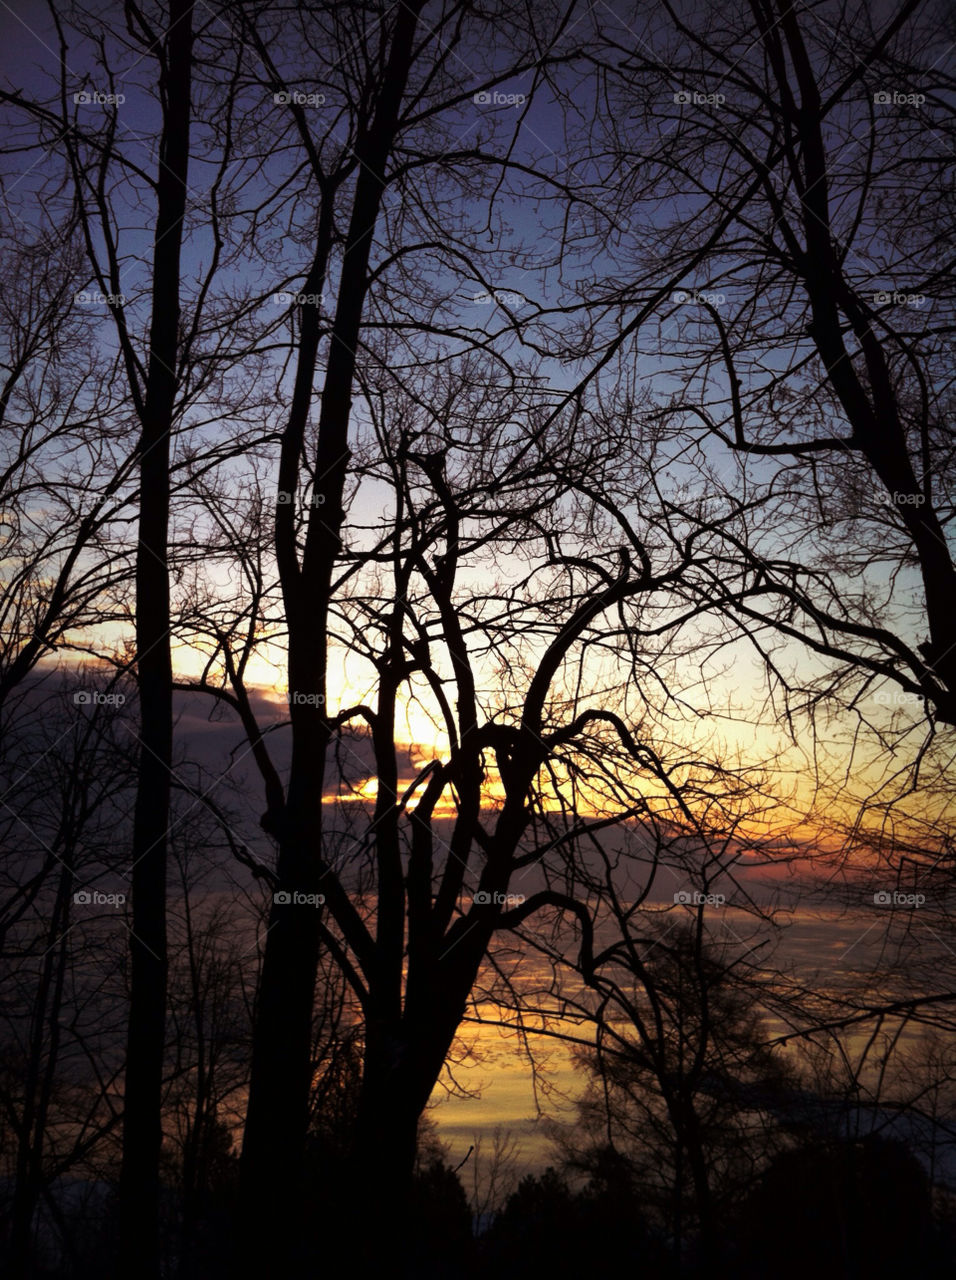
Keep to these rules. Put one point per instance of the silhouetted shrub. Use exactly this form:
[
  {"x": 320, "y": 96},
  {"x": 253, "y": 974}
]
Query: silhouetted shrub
[{"x": 840, "y": 1209}]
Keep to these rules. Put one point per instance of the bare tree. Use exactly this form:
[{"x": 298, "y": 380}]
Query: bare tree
[
  {"x": 531, "y": 748},
  {"x": 175, "y": 356},
  {"x": 799, "y": 292},
  {"x": 62, "y": 470},
  {"x": 682, "y": 1085},
  {"x": 502, "y": 629},
  {"x": 67, "y": 794}
]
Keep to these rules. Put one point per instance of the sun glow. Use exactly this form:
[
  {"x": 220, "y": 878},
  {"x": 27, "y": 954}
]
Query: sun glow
[{"x": 806, "y": 801}]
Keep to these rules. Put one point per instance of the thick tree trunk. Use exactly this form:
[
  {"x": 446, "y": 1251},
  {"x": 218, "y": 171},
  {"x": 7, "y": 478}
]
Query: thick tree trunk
[
  {"x": 277, "y": 1113},
  {"x": 139, "y": 1243},
  {"x": 279, "y": 1087},
  {"x": 382, "y": 1164},
  {"x": 403, "y": 1060},
  {"x": 383, "y": 1158}
]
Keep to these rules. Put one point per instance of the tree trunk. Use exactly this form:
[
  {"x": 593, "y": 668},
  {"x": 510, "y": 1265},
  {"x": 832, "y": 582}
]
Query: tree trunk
[
  {"x": 281, "y": 1074},
  {"x": 395, "y": 1090},
  {"x": 403, "y": 1060},
  {"x": 277, "y": 1112},
  {"x": 139, "y": 1242},
  {"x": 382, "y": 1167}
]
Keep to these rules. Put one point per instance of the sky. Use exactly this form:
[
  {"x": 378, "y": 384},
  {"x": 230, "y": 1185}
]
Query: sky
[
  {"x": 817, "y": 783},
  {"x": 732, "y": 686}
]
